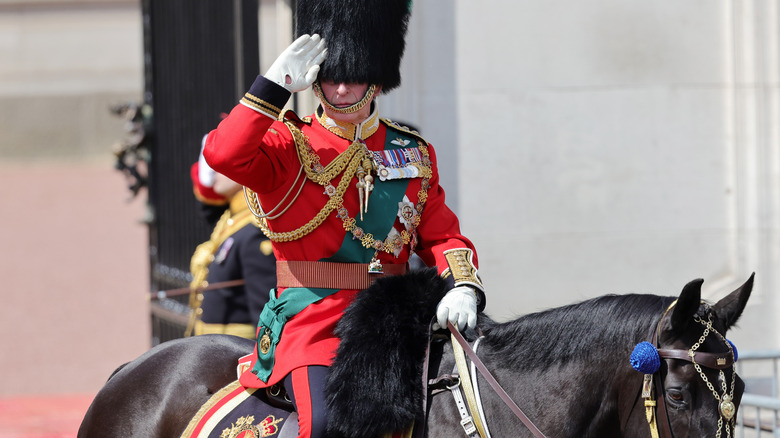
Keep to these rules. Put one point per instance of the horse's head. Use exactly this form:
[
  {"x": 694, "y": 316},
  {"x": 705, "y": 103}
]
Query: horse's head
[{"x": 696, "y": 388}]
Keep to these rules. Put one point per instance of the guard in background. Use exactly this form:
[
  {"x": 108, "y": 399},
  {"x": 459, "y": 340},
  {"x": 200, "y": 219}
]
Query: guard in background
[{"x": 237, "y": 250}]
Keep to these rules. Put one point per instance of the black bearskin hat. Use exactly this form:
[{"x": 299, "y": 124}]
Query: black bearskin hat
[{"x": 365, "y": 38}]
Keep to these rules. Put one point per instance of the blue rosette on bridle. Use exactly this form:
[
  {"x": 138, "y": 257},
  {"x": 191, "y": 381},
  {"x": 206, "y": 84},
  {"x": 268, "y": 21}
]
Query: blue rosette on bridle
[
  {"x": 734, "y": 349},
  {"x": 645, "y": 358}
]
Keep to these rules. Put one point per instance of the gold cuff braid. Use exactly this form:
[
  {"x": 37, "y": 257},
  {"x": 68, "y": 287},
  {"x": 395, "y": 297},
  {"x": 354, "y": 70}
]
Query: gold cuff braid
[{"x": 461, "y": 267}]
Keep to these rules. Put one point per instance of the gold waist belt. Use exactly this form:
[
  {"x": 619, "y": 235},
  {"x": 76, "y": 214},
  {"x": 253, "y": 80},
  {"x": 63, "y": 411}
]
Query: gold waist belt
[{"x": 331, "y": 275}]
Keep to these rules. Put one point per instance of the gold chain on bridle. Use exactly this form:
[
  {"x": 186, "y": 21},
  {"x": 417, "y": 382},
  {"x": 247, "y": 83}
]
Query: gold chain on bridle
[{"x": 726, "y": 408}]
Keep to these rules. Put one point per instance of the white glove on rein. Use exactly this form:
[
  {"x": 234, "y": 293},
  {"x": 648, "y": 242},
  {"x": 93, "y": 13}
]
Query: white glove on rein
[
  {"x": 459, "y": 306},
  {"x": 298, "y": 65}
]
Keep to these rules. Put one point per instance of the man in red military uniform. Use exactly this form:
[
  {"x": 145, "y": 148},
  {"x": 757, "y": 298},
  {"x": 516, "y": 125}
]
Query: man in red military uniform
[{"x": 344, "y": 195}]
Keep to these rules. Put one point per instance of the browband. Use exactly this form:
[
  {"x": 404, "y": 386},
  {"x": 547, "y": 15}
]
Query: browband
[{"x": 717, "y": 361}]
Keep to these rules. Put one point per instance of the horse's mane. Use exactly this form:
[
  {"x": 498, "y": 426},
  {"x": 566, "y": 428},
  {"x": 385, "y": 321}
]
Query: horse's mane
[{"x": 590, "y": 331}]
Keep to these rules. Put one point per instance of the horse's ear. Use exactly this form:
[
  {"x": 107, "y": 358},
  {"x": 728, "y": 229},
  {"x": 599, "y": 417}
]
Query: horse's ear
[
  {"x": 730, "y": 308},
  {"x": 687, "y": 306}
]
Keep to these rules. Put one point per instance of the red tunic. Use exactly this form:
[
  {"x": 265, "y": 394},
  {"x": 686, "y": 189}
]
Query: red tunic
[{"x": 256, "y": 150}]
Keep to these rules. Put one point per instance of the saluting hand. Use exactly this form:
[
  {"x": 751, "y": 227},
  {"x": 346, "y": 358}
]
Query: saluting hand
[{"x": 298, "y": 65}]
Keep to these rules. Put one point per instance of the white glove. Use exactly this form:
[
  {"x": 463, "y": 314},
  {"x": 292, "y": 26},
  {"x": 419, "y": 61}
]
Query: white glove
[
  {"x": 298, "y": 65},
  {"x": 459, "y": 306}
]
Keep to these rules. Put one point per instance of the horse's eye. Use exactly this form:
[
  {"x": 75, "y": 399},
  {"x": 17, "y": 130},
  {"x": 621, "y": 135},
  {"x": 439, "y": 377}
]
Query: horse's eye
[{"x": 676, "y": 396}]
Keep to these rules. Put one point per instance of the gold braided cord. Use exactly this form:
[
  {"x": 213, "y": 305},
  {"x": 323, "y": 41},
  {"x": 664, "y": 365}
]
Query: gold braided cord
[
  {"x": 311, "y": 162},
  {"x": 335, "y": 201},
  {"x": 254, "y": 204}
]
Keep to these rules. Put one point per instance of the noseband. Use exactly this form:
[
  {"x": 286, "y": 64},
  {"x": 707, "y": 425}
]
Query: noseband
[{"x": 646, "y": 359}]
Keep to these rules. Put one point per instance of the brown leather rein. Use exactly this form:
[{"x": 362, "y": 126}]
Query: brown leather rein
[{"x": 493, "y": 383}]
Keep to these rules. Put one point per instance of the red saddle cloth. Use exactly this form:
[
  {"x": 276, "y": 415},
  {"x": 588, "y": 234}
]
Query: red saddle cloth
[
  {"x": 236, "y": 412},
  {"x": 239, "y": 412}
]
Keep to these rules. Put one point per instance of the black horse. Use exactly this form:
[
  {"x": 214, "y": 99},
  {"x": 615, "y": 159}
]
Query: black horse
[{"x": 569, "y": 369}]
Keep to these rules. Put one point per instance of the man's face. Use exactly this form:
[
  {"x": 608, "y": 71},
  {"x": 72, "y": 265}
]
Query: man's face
[{"x": 342, "y": 95}]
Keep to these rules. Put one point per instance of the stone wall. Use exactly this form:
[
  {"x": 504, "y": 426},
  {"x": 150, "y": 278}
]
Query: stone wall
[
  {"x": 67, "y": 63},
  {"x": 608, "y": 146}
]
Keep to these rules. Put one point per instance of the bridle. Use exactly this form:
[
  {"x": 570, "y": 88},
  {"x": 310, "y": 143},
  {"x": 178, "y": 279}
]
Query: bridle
[{"x": 646, "y": 358}]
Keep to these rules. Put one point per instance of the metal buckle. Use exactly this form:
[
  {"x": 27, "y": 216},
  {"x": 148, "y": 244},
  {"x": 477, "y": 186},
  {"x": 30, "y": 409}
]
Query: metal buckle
[
  {"x": 468, "y": 425},
  {"x": 647, "y": 386}
]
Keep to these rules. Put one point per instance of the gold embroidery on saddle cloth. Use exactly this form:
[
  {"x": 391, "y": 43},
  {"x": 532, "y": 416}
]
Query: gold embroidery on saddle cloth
[
  {"x": 201, "y": 417},
  {"x": 265, "y": 428}
]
